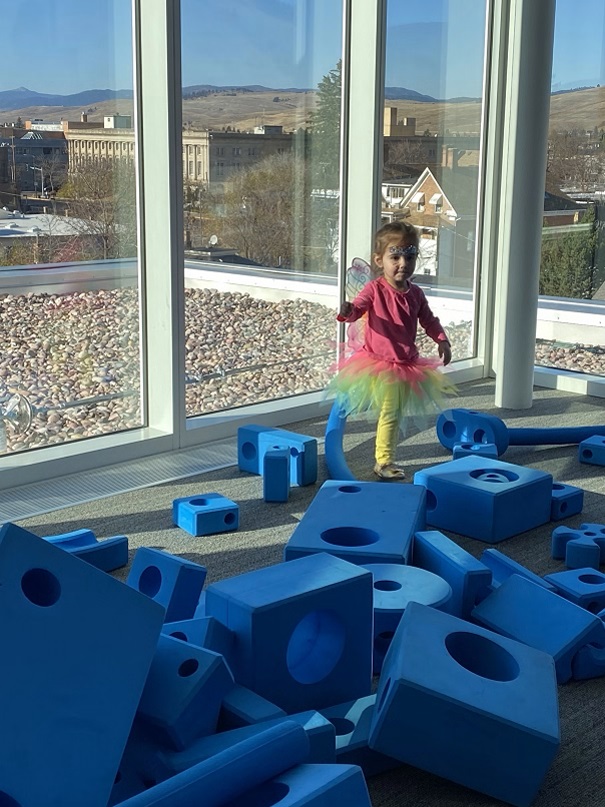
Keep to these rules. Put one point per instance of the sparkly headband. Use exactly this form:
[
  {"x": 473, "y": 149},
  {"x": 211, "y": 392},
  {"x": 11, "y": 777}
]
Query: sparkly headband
[{"x": 405, "y": 252}]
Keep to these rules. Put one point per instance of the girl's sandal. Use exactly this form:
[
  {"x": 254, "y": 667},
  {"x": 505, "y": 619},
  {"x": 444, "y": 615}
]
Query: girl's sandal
[{"x": 389, "y": 471}]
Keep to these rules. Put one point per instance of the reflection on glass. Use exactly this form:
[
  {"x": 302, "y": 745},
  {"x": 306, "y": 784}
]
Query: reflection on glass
[
  {"x": 261, "y": 135},
  {"x": 69, "y": 307},
  {"x": 572, "y": 269},
  {"x": 432, "y": 144}
]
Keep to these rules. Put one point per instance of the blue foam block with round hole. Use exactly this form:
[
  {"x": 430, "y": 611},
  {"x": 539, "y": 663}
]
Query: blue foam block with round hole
[
  {"x": 585, "y": 587},
  {"x": 468, "y": 705},
  {"x": 205, "y": 514},
  {"x": 468, "y": 426},
  {"x": 567, "y": 500},
  {"x": 77, "y": 646},
  {"x": 362, "y": 522},
  {"x": 303, "y": 630},
  {"x": 253, "y": 441},
  {"x": 485, "y": 498}
]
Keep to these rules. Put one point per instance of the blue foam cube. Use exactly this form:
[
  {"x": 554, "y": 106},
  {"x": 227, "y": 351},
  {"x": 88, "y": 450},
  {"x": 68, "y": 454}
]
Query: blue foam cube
[
  {"x": 172, "y": 581},
  {"x": 585, "y": 587},
  {"x": 206, "y": 514},
  {"x": 468, "y": 705},
  {"x": 362, "y": 522},
  {"x": 276, "y": 475},
  {"x": 203, "y": 632},
  {"x": 253, "y": 441},
  {"x": 592, "y": 450},
  {"x": 303, "y": 630},
  {"x": 485, "y": 498},
  {"x": 567, "y": 500}
]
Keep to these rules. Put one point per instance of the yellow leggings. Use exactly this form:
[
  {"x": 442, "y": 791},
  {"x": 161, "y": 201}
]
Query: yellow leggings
[{"x": 387, "y": 431}]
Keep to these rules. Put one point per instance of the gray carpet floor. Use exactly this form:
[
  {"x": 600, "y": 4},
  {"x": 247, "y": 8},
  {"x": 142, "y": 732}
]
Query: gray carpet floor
[{"x": 577, "y": 777}]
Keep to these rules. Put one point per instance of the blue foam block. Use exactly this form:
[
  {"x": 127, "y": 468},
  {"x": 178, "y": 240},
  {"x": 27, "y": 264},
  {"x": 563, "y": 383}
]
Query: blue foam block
[
  {"x": 362, "y": 522},
  {"x": 502, "y": 567},
  {"x": 77, "y": 645},
  {"x": 475, "y": 449},
  {"x": 582, "y": 553},
  {"x": 395, "y": 586},
  {"x": 589, "y": 662},
  {"x": 107, "y": 555},
  {"x": 310, "y": 786},
  {"x": 203, "y": 632},
  {"x": 463, "y": 703},
  {"x": 469, "y": 578},
  {"x": 592, "y": 450},
  {"x": 468, "y": 426},
  {"x": 484, "y": 498},
  {"x": 320, "y": 732},
  {"x": 276, "y": 475},
  {"x": 184, "y": 691},
  {"x": 215, "y": 781},
  {"x": 585, "y": 587},
  {"x": 172, "y": 581},
  {"x": 567, "y": 500},
  {"x": 253, "y": 441},
  {"x": 243, "y": 707},
  {"x": 583, "y": 536},
  {"x": 522, "y": 610},
  {"x": 206, "y": 514},
  {"x": 303, "y": 630},
  {"x": 352, "y": 723}
]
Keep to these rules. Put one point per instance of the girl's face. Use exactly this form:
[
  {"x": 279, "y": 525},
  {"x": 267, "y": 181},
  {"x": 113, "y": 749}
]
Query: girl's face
[{"x": 398, "y": 262}]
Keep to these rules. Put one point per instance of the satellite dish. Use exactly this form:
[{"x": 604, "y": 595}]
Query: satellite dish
[{"x": 213, "y": 240}]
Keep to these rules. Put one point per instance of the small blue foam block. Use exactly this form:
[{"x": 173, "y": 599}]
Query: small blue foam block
[
  {"x": 484, "y": 498},
  {"x": 585, "y": 587},
  {"x": 585, "y": 534},
  {"x": 253, "y": 441},
  {"x": 206, "y": 514},
  {"x": 320, "y": 732},
  {"x": 475, "y": 449},
  {"x": 107, "y": 555},
  {"x": 303, "y": 630},
  {"x": 469, "y": 705},
  {"x": 522, "y": 610},
  {"x": 243, "y": 707},
  {"x": 276, "y": 475},
  {"x": 172, "y": 581},
  {"x": 311, "y": 786},
  {"x": 214, "y": 782},
  {"x": 502, "y": 567},
  {"x": 363, "y": 522},
  {"x": 184, "y": 691},
  {"x": 469, "y": 578},
  {"x": 77, "y": 646},
  {"x": 395, "y": 586},
  {"x": 204, "y": 632},
  {"x": 352, "y": 723},
  {"x": 567, "y": 500},
  {"x": 467, "y": 426},
  {"x": 589, "y": 662},
  {"x": 582, "y": 553},
  {"x": 592, "y": 450}
]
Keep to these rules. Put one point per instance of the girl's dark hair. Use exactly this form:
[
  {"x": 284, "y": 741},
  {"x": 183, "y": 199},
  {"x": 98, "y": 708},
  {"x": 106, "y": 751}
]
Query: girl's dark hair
[{"x": 401, "y": 230}]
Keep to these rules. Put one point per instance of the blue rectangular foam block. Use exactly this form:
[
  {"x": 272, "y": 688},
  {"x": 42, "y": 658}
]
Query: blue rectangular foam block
[
  {"x": 585, "y": 587},
  {"x": 276, "y": 475},
  {"x": 485, "y": 498},
  {"x": 173, "y": 581},
  {"x": 77, "y": 645},
  {"x": 362, "y": 522},
  {"x": 529, "y": 613},
  {"x": 469, "y": 578},
  {"x": 205, "y": 514},
  {"x": 311, "y": 786},
  {"x": 243, "y": 707},
  {"x": 204, "y": 632},
  {"x": 502, "y": 567},
  {"x": 303, "y": 630},
  {"x": 352, "y": 723},
  {"x": 567, "y": 500},
  {"x": 253, "y": 441},
  {"x": 474, "y": 450},
  {"x": 468, "y": 705},
  {"x": 320, "y": 732},
  {"x": 592, "y": 450},
  {"x": 107, "y": 555}
]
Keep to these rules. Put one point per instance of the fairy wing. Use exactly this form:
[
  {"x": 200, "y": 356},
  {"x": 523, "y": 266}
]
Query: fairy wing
[{"x": 358, "y": 274}]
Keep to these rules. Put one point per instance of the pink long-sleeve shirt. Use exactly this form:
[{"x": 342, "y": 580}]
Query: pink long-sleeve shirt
[{"x": 393, "y": 318}]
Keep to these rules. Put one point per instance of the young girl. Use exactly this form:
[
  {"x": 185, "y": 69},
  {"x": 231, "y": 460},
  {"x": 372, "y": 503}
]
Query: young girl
[{"x": 387, "y": 376}]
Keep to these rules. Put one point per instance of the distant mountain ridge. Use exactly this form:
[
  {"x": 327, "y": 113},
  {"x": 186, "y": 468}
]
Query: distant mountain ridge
[{"x": 22, "y": 97}]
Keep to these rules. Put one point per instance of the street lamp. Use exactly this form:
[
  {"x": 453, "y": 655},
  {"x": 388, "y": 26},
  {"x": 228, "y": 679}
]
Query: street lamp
[{"x": 41, "y": 170}]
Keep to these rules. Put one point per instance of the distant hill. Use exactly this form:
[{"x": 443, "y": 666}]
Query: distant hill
[
  {"x": 198, "y": 88},
  {"x": 22, "y": 97},
  {"x": 403, "y": 94}
]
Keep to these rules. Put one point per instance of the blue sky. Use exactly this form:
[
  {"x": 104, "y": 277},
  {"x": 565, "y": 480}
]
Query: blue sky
[{"x": 433, "y": 46}]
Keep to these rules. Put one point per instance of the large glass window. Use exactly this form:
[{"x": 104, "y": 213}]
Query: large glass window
[
  {"x": 261, "y": 154},
  {"x": 433, "y": 146},
  {"x": 69, "y": 301},
  {"x": 570, "y": 334}
]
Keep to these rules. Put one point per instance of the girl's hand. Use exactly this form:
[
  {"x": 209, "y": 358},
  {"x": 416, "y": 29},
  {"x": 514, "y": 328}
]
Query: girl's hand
[
  {"x": 345, "y": 309},
  {"x": 445, "y": 352}
]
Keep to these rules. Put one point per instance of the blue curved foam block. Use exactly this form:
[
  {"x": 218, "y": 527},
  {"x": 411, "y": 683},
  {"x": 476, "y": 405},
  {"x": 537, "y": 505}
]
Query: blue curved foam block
[
  {"x": 107, "y": 555},
  {"x": 335, "y": 459}
]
